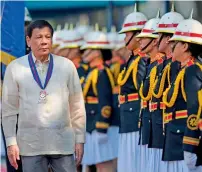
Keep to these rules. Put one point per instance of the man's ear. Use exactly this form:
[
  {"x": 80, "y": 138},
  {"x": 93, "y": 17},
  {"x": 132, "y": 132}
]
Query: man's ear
[{"x": 28, "y": 41}]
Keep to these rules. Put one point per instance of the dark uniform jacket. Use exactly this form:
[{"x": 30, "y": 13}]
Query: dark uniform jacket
[
  {"x": 192, "y": 141},
  {"x": 146, "y": 90},
  {"x": 175, "y": 115},
  {"x": 156, "y": 137},
  {"x": 129, "y": 81},
  {"x": 97, "y": 91}
]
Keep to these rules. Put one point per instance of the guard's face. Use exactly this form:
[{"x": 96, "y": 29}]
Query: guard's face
[
  {"x": 178, "y": 49},
  {"x": 63, "y": 52},
  {"x": 40, "y": 41},
  {"x": 143, "y": 43},
  {"x": 73, "y": 53},
  {"x": 133, "y": 42},
  {"x": 163, "y": 43},
  {"x": 90, "y": 54}
]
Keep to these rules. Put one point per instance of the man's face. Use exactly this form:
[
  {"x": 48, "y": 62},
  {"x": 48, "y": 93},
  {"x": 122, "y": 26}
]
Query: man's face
[{"x": 40, "y": 41}]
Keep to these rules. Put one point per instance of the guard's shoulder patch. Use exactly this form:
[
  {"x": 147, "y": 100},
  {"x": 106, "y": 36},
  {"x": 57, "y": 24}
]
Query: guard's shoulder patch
[
  {"x": 192, "y": 123},
  {"x": 106, "y": 111}
]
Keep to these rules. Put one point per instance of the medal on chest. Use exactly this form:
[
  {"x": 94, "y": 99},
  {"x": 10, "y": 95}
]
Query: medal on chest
[{"x": 42, "y": 94}]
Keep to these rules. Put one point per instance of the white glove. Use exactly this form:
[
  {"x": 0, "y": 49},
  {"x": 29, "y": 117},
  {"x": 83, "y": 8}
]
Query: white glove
[
  {"x": 190, "y": 159},
  {"x": 101, "y": 137}
]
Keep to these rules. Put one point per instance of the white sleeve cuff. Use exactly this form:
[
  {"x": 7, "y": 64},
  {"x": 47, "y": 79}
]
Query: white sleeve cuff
[
  {"x": 11, "y": 141},
  {"x": 80, "y": 138}
]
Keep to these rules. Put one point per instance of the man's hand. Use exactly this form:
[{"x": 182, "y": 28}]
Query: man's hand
[
  {"x": 13, "y": 155},
  {"x": 79, "y": 153}
]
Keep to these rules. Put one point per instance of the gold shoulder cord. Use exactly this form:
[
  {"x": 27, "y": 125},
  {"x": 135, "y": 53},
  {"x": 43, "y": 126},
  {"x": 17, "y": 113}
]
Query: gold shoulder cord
[
  {"x": 112, "y": 68},
  {"x": 162, "y": 82},
  {"x": 94, "y": 81},
  {"x": 92, "y": 78},
  {"x": 151, "y": 83},
  {"x": 85, "y": 66},
  {"x": 117, "y": 71},
  {"x": 82, "y": 79},
  {"x": 95, "y": 78},
  {"x": 199, "y": 97},
  {"x": 111, "y": 79},
  {"x": 182, "y": 84},
  {"x": 135, "y": 72},
  {"x": 200, "y": 104},
  {"x": 176, "y": 90},
  {"x": 133, "y": 67},
  {"x": 87, "y": 84}
]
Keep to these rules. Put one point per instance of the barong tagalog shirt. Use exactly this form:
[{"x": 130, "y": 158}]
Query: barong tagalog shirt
[{"x": 50, "y": 127}]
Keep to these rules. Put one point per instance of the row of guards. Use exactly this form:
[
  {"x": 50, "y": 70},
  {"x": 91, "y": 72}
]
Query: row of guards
[
  {"x": 142, "y": 90},
  {"x": 143, "y": 110}
]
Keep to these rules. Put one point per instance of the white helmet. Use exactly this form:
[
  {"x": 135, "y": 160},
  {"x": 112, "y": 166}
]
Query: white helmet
[
  {"x": 149, "y": 28},
  {"x": 112, "y": 37},
  {"x": 97, "y": 40},
  {"x": 57, "y": 37},
  {"x": 120, "y": 42},
  {"x": 27, "y": 15},
  {"x": 189, "y": 30},
  {"x": 71, "y": 39},
  {"x": 83, "y": 29},
  {"x": 169, "y": 22},
  {"x": 134, "y": 21}
]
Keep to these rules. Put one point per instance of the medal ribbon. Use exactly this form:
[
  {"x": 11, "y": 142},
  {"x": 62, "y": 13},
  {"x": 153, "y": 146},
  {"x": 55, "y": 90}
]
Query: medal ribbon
[{"x": 35, "y": 73}]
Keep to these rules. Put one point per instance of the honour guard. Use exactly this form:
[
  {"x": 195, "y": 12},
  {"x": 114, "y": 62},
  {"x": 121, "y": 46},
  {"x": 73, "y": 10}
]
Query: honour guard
[
  {"x": 165, "y": 30},
  {"x": 129, "y": 81},
  {"x": 187, "y": 47},
  {"x": 149, "y": 45},
  {"x": 97, "y": 90},
  {"x": 180, "y": 110},
  {"x": 57, "y": 40},
  {"x": 70, "y": 48}
]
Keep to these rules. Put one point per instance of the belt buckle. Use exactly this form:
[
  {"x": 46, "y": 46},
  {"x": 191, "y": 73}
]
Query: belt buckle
[{"x": 150, "y": 106}]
